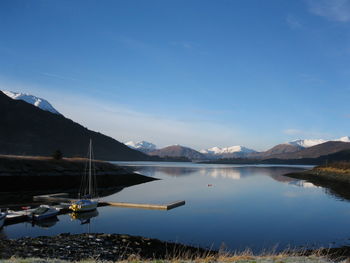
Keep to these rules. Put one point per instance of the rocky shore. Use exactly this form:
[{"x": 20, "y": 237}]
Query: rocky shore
[
  {"x": 99, "y": 247},
  {"x": 117, "y": 247}
]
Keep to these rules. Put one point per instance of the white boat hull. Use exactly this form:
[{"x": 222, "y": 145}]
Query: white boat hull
[{"x": 50, "y": 212}]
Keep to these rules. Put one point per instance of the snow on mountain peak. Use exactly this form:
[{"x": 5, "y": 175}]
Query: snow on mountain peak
[
  {"x": 312, "y": 142},
  {"x": 36, "y": 101},
  {"x": 232, "y": 149},
  {"x": 142, "y": 146},
  {"x": 307, "y": 142},
  {"x": 344, "y": 139}
]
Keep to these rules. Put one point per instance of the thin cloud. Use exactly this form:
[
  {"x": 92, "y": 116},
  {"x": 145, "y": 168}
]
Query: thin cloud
[
  {"x": 310, "y": 78},
  {"x": 56, "y": 76},
  {"x": 293, "y": 132},
  {"x": 183, "y": 44},
  {"x": 305, "y": 134},
  {"x": 293, "y": 22},
  {"x": 335, "y": 10}
]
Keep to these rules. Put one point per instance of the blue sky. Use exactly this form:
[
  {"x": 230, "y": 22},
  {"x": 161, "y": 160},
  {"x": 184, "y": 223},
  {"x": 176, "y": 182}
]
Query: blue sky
[{"x": 200, "y": 73}]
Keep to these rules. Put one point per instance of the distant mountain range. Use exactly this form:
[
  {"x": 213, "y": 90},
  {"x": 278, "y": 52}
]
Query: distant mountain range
[
  {"x": 227, "y": 152},
  {"x": 26, "y": 129},
  {"x": 36, "y": 101},
  {"x": 297, "y": 149},
  {"x": 32, "y": 126}
]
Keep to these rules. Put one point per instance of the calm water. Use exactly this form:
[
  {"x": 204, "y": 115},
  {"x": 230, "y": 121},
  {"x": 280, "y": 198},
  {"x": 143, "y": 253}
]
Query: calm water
[{"x": 232, "y": 206}]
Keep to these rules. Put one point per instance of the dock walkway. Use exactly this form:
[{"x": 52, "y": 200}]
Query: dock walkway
[{"x": 19, "y": 217}]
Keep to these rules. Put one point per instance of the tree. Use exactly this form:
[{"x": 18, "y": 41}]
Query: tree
[{"x": 57, "y": 155}]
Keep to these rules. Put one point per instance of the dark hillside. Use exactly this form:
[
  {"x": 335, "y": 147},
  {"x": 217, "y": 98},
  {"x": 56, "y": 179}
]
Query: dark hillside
[{"x": 28, "y": 130}]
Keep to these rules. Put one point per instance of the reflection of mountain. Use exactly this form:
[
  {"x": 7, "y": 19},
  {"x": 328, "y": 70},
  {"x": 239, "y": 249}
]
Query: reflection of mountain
[
  {"x": 171, "y": 171},
  {"x": 237, "y": 173},
  {"x": 229, "y": 173},
  {"x": 16, "y": 199},
  {"x": 46, "y": 223},
  {"x": 234, "y": 173},
  {"x": 302, "y": 183}
]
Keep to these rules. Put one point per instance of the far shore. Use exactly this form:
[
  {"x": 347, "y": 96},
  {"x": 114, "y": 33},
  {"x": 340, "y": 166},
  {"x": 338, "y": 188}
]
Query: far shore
[
  {"x": 46, "y": 173},
  {"x": 333, "y": 172}
]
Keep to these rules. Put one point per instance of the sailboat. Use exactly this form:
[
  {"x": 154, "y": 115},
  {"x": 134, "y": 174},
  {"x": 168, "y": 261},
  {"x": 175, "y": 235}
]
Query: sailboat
[{"x": 88, "y": 188}]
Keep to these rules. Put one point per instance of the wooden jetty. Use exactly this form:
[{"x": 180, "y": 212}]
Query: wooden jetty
[
  {"x": 63, "y": 198},
  {"x": 18, "y": 217},
  {"x": 147, "y": 206}
]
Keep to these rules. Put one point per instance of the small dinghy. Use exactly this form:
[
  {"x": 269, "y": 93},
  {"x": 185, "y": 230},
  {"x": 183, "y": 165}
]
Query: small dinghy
[{"x": 43, "y": 212}]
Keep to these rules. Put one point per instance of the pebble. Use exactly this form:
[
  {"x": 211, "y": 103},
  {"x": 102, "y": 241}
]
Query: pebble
[{"x": 105, "y": 247}]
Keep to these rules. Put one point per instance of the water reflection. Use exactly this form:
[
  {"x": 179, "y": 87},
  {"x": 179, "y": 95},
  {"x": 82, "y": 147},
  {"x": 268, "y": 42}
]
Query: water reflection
[
  {"x": 18, "y": 199},
  {"x": 256, "y": 207},
  {"x": 226, "y": 173},
  {"x": 171, "y": 171},
  {"x": 46, "y": 223},
  {"x": 84, "y": 217},
  {"x": 304, "y": 184}
]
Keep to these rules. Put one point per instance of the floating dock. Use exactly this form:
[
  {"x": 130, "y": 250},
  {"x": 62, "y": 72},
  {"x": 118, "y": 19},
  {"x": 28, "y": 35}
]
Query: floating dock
[
  {"x": 147, "y": 206},
  {"x": 21, "y": 216},
  {"x": 63, "y": 198}
]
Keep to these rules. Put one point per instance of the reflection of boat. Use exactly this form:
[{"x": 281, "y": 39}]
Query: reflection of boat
[
  {"x": 2, "y": 218},
  {"x": 85, "y": 217},
  {"x": 46, "y": 223},
  {"x": 87, "y": 188},
  {"x": 43, "y": 212}
]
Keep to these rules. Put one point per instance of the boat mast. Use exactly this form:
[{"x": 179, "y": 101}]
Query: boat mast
[{"x": 90, "y": 176}]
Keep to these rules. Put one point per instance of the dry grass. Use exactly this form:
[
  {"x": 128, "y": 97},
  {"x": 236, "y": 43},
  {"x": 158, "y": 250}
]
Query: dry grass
[{"x": 183, "y": 256}]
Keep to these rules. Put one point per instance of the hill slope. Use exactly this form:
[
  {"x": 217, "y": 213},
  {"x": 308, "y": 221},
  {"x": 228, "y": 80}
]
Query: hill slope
[
  {"x": 178, "y": 151},
  {"x": 315, "y": 151},
  {"x": 278, "y": 149},
  {"x": 28, "y": 130}
]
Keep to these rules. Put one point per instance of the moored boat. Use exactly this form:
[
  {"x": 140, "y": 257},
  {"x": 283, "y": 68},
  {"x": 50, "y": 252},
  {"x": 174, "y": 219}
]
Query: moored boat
[
  {"x": 88, "y": 188},
  {"x": 43, "y": 212},
  {"x": 84, "y": 205}
]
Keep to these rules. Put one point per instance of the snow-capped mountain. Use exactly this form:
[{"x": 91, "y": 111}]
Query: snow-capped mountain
[
  {"x": 344, "y": 139},
  {"x": 36, "y": 101},
  {"x": 307, "y": 142},
  {"x": 312, "y": 142},
  {"x": 228, "y": 152},
  {"x": 142, "y": 146}
]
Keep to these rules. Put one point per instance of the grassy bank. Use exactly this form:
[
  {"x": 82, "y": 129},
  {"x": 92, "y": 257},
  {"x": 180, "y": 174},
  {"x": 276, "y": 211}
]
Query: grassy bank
[
  {"x": 335, "y": 172},
  {"x": 234, "y": 259}
]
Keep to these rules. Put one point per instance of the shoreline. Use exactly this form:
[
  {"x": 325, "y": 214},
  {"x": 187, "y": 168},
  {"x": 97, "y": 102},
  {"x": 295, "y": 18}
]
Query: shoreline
[
  {"x": 98, "y": 247},
  {"x": 103, "y": 247}
]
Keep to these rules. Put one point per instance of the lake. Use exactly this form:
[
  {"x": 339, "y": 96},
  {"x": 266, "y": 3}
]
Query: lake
[{"x": 228, "y": 206}]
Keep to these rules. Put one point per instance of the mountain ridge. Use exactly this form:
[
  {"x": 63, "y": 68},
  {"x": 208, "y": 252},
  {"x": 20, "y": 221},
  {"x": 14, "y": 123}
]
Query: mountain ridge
[
  {"x": 31, "y": 99},
  {"x": 29, "y": 130}
]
